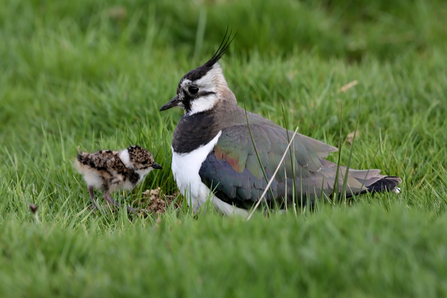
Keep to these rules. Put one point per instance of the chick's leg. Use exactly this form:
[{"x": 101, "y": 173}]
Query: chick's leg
[
  {"x": 92, "y": 196},
  {"x": 109, "y": 199}
]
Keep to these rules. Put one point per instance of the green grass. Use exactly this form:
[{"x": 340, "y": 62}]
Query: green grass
[{"x": 94, "y": 74}]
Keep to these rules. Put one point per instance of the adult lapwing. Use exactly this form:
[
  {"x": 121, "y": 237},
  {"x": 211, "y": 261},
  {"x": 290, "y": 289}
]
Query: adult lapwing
[{"x": 213, "y": 156}]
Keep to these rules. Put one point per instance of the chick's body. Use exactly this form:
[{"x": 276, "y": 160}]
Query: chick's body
[
  {"x": 114, "y": 170},
  {"x": 105, "y": 170}
]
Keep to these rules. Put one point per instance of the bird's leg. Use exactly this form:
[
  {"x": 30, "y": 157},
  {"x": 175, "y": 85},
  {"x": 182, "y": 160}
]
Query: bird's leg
[
  {"x": 92, "y": 196},
  {"x": 132, "y": 210},
  {"x": 109, "y": 199}
]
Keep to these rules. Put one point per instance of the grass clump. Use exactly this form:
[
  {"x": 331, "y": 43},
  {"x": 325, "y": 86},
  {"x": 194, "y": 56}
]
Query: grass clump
[{"x": 94, "y": 74}]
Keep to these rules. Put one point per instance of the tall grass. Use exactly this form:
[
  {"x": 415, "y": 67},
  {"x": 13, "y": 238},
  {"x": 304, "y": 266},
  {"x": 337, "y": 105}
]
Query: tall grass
[{"x": 94, "y": 74}]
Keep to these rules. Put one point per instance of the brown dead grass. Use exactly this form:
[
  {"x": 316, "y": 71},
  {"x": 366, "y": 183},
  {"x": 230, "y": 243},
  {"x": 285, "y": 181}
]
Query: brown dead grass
[
  {"x": 154, "y": 202},
  {"x": 351, "y": 136}
]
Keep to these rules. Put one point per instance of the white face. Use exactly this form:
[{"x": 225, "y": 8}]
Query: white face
[{"x": 204, "y": 92}]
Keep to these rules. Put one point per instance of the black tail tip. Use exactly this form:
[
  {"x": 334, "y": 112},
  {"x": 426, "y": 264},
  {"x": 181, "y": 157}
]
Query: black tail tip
[{"x": 388, "y": 183}]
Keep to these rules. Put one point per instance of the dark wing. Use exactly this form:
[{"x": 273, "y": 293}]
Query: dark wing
[{"x": 233, "y": 171}]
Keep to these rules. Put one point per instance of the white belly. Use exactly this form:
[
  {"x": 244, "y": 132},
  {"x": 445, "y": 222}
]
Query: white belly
[{"x": 186, "y": 167}]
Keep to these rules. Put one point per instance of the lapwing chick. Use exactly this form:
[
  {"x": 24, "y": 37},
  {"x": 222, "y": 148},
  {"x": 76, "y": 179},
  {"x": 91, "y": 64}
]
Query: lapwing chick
[
  {"x": 115, "y": 170},
  {"x": 217, "y": 156}
]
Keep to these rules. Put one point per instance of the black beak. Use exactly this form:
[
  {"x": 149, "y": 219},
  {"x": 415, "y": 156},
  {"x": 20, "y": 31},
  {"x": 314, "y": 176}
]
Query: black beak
[
  {"x": 170, "y": 104},
  {"x": 156, "y": 166}
]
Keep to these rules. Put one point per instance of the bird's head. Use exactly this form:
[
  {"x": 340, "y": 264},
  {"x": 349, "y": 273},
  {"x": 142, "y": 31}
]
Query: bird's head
[
  {"x": 139, "y": 159},
  {"x": 203, "y": 87}
]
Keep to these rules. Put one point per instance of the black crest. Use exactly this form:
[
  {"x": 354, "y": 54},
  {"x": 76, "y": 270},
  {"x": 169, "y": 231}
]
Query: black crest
[
  {"x": 224, "y": 45},
  {"x": 200, "y": 71}
]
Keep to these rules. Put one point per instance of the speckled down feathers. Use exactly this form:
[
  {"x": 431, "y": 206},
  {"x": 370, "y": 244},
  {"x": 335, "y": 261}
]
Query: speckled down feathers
[
  {"x": 140, "y": 157},
  {"x": 105, "y": 169}
]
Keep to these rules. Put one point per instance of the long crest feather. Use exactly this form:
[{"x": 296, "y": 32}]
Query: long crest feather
[{"x": 224, "y": 45}]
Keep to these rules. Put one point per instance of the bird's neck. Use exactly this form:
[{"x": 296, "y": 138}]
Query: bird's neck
[{"x": 194, "y": 131}]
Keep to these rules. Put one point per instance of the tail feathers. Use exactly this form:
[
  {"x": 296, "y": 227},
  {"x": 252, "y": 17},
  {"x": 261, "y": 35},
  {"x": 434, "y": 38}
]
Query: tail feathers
[
  {"x": 80, "y": 154},
  {"x": 387, "y": 183},
  {"x": 81, "y": 157},
  {"x": 361, "y": 181}
]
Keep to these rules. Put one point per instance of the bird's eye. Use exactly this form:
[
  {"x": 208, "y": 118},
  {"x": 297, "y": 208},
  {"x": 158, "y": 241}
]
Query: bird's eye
[{"x": 193, "y": 89}]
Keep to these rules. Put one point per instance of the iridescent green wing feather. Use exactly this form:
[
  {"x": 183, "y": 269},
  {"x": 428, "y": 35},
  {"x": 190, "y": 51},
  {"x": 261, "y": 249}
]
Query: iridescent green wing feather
[{"x": 234, "y": 172}]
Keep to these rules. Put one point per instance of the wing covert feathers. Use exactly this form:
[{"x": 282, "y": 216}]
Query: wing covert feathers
[{"x": 233, "y": 171}]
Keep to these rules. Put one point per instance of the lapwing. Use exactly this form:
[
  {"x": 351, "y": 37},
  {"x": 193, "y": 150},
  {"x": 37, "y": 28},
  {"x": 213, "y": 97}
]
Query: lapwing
[
  {"x": 214, "y": 158},
  {"x": 114, "y": 170}
]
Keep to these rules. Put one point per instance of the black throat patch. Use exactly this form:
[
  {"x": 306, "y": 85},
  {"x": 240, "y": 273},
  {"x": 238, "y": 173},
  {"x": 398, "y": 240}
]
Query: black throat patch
[{"x": 194, "y": 131}]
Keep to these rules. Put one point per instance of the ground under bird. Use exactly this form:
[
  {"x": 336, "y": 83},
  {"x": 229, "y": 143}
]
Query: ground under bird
[
  {"x": 114, "y": 170},
  {"x": 213, "y": 156}
]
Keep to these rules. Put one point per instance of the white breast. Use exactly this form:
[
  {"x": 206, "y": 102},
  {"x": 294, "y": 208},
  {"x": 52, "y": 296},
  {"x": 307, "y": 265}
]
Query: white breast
[
  {"x": 186, "y": 167},
  {"x": 127, "y": 185},
  {"x": 143, "y": 173}
]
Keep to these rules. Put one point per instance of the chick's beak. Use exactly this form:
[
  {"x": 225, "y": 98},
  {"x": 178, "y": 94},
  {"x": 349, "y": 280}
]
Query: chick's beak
[
  {"x": 156, "y": 166},
  {"x": 170, "y": 104}
]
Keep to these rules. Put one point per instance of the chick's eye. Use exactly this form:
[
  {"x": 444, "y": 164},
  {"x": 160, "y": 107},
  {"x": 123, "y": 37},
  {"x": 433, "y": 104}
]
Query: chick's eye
[{"x": 193, "y": 89}]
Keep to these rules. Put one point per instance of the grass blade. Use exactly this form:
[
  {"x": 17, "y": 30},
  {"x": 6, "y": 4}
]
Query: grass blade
[{"x": 273, "y": 176}]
